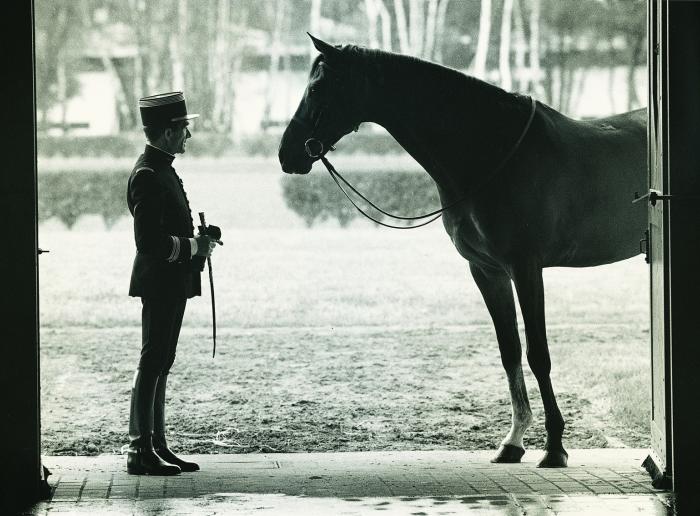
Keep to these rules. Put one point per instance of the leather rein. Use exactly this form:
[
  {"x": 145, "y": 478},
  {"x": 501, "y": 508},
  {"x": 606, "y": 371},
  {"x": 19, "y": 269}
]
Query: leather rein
[{"x": 315, "y": 150}]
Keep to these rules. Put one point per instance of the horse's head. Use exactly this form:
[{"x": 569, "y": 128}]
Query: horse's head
[{"x": 328, "y": 111}]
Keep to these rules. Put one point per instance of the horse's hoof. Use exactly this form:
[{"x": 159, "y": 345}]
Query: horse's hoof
[
  {"x": 554, "y": 459},
  {"x": 508, "y": 454}
]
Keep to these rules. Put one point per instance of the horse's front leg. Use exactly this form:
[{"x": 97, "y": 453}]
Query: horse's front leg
[
  {"x": 497, "y": 291},
  {"x": 527, "y": 277}
]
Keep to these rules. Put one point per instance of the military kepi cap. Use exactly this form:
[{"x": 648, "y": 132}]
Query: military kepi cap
[{"x": 163, "y": 109}]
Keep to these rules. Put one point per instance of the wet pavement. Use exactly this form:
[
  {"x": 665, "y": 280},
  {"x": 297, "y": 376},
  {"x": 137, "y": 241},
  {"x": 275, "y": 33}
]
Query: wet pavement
[{"x": 596, "y": 482}]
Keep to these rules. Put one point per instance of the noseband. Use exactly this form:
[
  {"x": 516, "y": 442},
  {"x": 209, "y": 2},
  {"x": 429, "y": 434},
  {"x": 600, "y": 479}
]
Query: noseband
[{"x": 313, "y": 146}]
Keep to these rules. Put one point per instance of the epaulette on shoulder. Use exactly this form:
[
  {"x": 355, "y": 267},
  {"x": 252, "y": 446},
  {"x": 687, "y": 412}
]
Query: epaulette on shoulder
[{"x": 143, "y": 168}]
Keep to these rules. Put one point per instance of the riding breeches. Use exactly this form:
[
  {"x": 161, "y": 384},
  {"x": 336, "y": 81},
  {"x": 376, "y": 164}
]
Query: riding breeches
[{"x": 161, "y": 319}]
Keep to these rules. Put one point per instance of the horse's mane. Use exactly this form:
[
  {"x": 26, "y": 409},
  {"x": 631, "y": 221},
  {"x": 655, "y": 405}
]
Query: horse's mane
[
  {"x": 392, "y": 59},
  {"x": 413, "y": 66},
  {"x": 457, "y": 93},
  {"x": 314, "y": 65}
]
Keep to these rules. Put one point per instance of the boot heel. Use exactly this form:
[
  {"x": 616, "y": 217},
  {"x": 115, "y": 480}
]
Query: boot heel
[
  {"x": 135, "y": 470},
  {"x": 146, "y": 462},
  {"x": 134, "y": 466}
]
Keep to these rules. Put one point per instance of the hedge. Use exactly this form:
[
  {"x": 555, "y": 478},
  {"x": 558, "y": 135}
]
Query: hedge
[
  {"x": 316, "y": 198},
  {"x": 124, "y": 145},
  {"x": 68, "y": 195}
]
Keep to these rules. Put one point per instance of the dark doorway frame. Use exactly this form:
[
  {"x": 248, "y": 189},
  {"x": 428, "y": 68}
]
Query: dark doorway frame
[{"x": 22, "y": 476}]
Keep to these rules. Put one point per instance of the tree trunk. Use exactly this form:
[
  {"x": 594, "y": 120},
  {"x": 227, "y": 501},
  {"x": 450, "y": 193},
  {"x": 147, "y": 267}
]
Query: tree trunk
[
  {"x": 611, "y": 77},
  {"x": 440, "y": 28},
  {"x": 234, "y": 60},
  {"x": 62, "y": 92},
  {"x": 520, "y": 47},
  {"x": 385, "y": 19},
  {"x": 175, "y": 46},
  {"x": 577, "y": 88},
  {"x": 635, "y": 45},
  {"x": 564, "y": 74},
  {"x": 314, "y": 26},
  {"x": 221, "y": 65},
  {"x": 504, "y": 52},
  {"x": 154, "y": 51},
  {"x": 56, "y": 38},
  {"x": 430, "y": 28},
  {"x": 416, "y": 27},
  {"x": 535, "y": 70},
  {"x": 125, "y": 110},
  {"x": 478, "y": 67},
  {"x": 136, "y": 12},
  {"x": 553, "y": 67},
  {"x": 275, "y": 53},
  {"x": 401, "y": 27},
  {"x": 372, "y": 15},
  {"x": 233, "y": 132}
]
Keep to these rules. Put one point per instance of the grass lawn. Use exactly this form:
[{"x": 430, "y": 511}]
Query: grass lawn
[{"x": 330, "y": 339}]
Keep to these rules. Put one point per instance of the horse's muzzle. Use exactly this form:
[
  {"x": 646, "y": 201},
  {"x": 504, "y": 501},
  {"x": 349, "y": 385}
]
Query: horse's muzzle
[{"x": 301, "y": 168}]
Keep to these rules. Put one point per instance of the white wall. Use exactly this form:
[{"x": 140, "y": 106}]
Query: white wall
[
  {"x": 95, "y": 105},
  {"x": 251, "y": 87}
]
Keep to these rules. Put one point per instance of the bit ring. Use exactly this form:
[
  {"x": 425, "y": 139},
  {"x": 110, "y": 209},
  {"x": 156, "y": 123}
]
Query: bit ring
[{"x": 310, "y": 151}]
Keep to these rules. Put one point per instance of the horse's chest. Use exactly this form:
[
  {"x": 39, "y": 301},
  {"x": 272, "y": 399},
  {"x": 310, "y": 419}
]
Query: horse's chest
[{"x": 469, "y": 238}]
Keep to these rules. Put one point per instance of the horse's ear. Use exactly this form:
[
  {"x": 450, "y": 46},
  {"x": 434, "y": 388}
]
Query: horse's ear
[{"x": 329, "y": 51}]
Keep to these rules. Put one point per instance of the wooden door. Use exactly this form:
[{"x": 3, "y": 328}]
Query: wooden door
[
  {"x": 660, "y": 463},
  {"x": 674, "y": 241}
]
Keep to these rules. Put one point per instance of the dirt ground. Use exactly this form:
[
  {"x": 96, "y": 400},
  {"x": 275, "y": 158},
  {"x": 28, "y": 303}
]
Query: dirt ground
[
  {"x": 296, "y": 390},
  {"x": 329, "y": 339}
]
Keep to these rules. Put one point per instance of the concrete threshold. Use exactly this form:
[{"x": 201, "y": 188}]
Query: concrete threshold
[{"x": 597, "y": 481}]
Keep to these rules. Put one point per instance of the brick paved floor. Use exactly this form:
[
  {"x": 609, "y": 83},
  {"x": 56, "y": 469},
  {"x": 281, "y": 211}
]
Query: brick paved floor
[{"x": 434, "y": 482}]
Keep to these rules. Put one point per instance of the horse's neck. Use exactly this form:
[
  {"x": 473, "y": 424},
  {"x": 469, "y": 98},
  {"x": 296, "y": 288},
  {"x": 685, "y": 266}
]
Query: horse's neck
[{"x": 454, "y": 126}]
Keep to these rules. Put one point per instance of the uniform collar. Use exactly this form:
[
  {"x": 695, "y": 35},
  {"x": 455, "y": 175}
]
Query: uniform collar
[{"x": 159, "y": 155}]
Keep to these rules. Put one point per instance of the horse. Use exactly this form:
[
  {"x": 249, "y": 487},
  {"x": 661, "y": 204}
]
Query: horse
[{"x": 523, "y": 187}]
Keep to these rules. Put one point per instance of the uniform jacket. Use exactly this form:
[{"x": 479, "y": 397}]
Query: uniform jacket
[{"x": 163, "y": 224}]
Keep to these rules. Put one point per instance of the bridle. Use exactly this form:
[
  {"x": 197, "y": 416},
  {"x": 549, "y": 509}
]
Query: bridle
[
  {"x": 309, "y": 144},
  {"x": 312, "y": 142},
  {"x": 315, "y": 149}
]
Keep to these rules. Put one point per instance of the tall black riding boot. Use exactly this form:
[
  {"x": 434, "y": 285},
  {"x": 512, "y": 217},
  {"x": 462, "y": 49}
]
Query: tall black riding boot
[
  {"x": 159, "y": 441},
  {"x": 142, "y": 458}
]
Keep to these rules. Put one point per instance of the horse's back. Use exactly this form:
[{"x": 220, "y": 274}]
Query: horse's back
[
  {"x": 632, "y": 119},
  {"x": 631, "y": 124},
  {"x": 600, "y": 163}
]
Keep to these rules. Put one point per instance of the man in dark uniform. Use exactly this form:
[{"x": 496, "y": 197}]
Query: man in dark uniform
[{"x": 166, "y": 272}]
